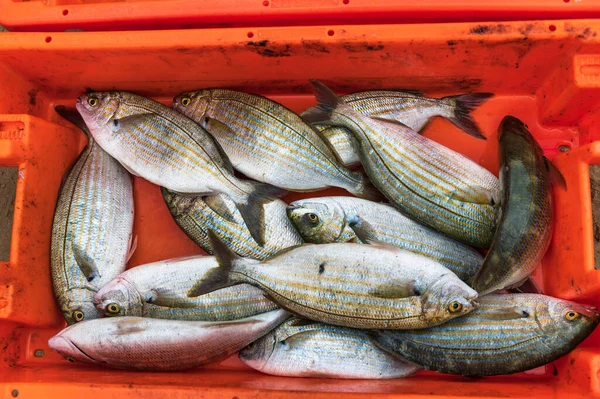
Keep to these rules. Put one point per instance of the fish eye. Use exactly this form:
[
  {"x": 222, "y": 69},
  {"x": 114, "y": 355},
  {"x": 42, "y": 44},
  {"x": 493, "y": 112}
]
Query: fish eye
[
  {"x": 78, "y": 315},
  {"x": 251, "y": 346},
  {"x": 92, "y": 101},
  {"x": 312, "y": 218},
  {"x": 113, "y": 308},
  {"x": 571, "y": 315},
  {"x": 70, "y": 359},
  {"x": 185, "y": 101},
  {"x": 455, "y": 307}
]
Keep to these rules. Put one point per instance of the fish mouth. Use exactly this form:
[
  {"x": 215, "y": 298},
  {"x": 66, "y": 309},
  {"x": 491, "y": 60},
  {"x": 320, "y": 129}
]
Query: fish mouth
[{"x": 63, "y": 346}]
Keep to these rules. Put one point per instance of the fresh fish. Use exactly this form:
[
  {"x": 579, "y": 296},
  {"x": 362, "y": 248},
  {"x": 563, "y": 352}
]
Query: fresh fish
[
  {"x": 166, "y": 148},
  {"x": 507, "y": 333},
  {"x": 197, "y": 215},
  {"x": 159, "y": 290},
  {"x": 140, "y": 343},
  {"x": 343, "y": 143},
  {"x": 269, "y": 143},
  {"x": 352, "y": 285},
  {"x": 92, "y": 228},
  {"x": 525, "y": 226},
  {"x": 429, "y": 182},
  {"x": 298, "y": 349},
  {"x": 346, "y": 219}
]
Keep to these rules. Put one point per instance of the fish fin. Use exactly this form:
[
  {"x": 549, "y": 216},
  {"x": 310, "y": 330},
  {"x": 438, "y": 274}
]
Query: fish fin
[
  {"x": 217, "y": 277},
  {"x": 527, "y": 286},
  {"x": 327, "y": 101},
  {"x": 86, "y": 264},
  {"x": 476, "y": 195},
  {"x": 296, "y": 326},
  {"x": 363, "y": 230},
  {"x": 74, "y": 117},
  {"x": 556, "y": 177},
  {"x": 355, "y": 240},
  {"x": 252, "y": 209},
  {"x": 365, "y": 188},
  {"x": 395, "y": 289},
  {"x": 507, "y": 313},
  {"x": 132, "y": 248},
  {"x": 215, "y": 203},
  {"x": 462, "y": 118},
  {"x": 391, "y": 123},
  {"x": 208, "y": 124},
  {"x": 131, "y": 122},
  {"x": 128, "y": 325}
]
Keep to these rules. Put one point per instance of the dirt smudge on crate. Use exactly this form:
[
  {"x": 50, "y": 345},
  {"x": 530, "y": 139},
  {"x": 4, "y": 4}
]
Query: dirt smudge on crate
[
  {"x": 595, "y": 193},
  {"x": 10, "y": 347},
  {"x": 314, "y": 45},
  {"x": 489, "y": 29},
  {"x": 526, "y": 29},
  {"x": 587, "y": 33},
  {"x": 268, "y": 49},
  {"x": 361, "y": 47},
  {"x": 32, "y": 96}
]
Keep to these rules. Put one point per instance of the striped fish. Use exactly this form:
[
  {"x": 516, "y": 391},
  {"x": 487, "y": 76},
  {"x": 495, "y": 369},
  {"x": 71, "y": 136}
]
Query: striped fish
[
  {"x": 298, "y": 349},
  {"x": 343, "y": 143},
  {"x": 429, "y": 182},
  {"x": 506, "y": 334},
  {"x": 269, "y": 143},
  {"x": 525, "y": 227},
  {"x": 168, "y": 149},
  {"x": 197, "y": 215},
  {"x": 92, "y": 227},
  {"x": 346, "y": 219},
  {"x": 160, "y": 289},
  {"x": 141, "y": 343},
  {"x": 352, "y": 285}
]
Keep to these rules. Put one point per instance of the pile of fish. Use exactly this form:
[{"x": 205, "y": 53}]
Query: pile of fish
[{"x": 338, "y": 287}]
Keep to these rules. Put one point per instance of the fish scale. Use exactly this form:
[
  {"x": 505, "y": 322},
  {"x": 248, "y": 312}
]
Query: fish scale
[
  {"x": 506, "y": 334},
  {"x": 269, "y": 143},
  {"x": 342, "y": 219},
  {"x": 93, "y": 218},
  {"x": 424, "y": 179}
]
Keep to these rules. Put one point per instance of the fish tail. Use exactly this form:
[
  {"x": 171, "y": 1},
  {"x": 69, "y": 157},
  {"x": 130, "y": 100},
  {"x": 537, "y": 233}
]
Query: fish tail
[
  {"x": 218, "y": 277},
  {"x": 464, "y": 104},
  {"x": 327, "y": 101},
  {"x": 251, "y": 207},
  {"x": 365, "y": 188}
]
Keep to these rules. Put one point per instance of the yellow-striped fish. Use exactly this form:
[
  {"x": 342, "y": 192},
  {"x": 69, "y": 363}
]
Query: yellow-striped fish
[
  {"x": 168, "y": 149},
  {"x": 429, "y": 182},
  {"x": 269, "y": 143},
  {"x": 91, "y": 231},
  {"x": 352, "y": 285},
  {"x": 506, "y": 334},
  {"x": 160, "y": 289}
]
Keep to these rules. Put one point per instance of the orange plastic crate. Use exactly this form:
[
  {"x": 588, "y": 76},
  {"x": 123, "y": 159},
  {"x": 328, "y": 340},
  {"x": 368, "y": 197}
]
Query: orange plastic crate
[
  {"x": 545, "y": 72},
  {"x": 106, "y": 15}
]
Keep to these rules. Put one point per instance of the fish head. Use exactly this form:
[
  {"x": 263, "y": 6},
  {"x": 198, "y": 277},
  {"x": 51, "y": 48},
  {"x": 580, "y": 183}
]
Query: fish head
[
  {"x": 193, "y": 104},
  {"x": 119, "y": 298},
  {"x": 448, "y": 298},
  {"x": 318, "y": 220},
  {"x": 67, "y": 349},
  {"x": 178, "y": 204},
  {"x": 98, "y": 109},
  {"x": 573, "y": 319},
  {"x": 76, "y": 308},
  {"x": 257, "y": 353}
]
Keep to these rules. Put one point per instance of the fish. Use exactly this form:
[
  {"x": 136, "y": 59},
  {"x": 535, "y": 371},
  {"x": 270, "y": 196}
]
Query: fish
[
  {"x": 92, "y": 227},
  {"x": 196, "y": 215},
  {"x": 170, "y": 150},
  {"x": 525, "y": 227},
  {"x": 301, "y": 348},
  {"x": 140, "y": 343},
  {"x": 351, "y": 285},
  {"x": 427, "y": 181},
  {"x": 506, "y": 334},
  {"x": 159, "y": 290},
  {"x": 348, "y": 219},
  {"x": 269, "y": 143},
  {"x": 343, "y": 143}
]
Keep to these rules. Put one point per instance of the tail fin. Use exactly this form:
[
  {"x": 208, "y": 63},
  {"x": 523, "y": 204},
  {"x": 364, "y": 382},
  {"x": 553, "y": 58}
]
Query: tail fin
[
  {"x": 462, "y": 117},
  {"x": 365, "y": 189},
  {"x": 251, "y": 208},
  {"x": 327, "y": 101},
  {"x": 218, "y": 277}
]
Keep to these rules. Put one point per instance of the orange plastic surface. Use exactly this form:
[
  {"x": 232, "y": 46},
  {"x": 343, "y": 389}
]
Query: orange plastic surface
[
  {"x": 106, "y": 15},
  {"x": 543, "y": 72}
]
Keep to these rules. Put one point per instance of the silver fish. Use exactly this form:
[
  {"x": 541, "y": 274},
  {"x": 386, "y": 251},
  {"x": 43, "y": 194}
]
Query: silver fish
[
  {"x": 352, "y": 285},
  {"x": 429, "y": 182},
  {"x": 346, "y": 219},
  {"x": 160, "y": 289},
  {"x": 197, "y": 215},
  {"x": 168, "y": 149},
  {"x": 92, "y": 228},
  {"x": 139, "y": 343},
  {"x": 269, "y": 143},
  {"x": 297, "y": 349},
  {"x": 343, "y": 143}
]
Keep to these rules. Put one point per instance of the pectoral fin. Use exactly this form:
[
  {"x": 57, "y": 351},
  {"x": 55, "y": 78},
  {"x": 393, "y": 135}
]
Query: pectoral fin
[
  {"x": 86, "y": 264},
  {"x": 395, "y": 289},
  {"x": 475, "y": 195},
  {"x": 556, "y": 177}
]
